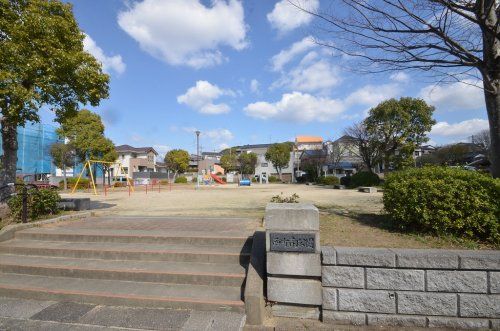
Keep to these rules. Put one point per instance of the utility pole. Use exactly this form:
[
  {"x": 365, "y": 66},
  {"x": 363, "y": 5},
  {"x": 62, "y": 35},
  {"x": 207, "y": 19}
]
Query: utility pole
[{"x": 198, "y": 157}]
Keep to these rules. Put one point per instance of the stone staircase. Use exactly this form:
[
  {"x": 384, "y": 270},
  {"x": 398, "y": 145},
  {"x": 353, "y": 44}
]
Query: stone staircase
[{"x": 181, "y": 263}]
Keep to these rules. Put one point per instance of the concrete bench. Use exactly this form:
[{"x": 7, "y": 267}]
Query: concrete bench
[
  {"x": 367, "y": 189},
  {"x": 339, "y": 187},
  {"x": 74, "y": 204}
]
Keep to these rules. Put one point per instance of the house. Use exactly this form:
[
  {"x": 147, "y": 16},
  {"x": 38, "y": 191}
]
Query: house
[
  {"x": 264, "y": 167},
  {"x": 342, "y": 157},
  {"x": 303, "y": 143},
  {"x": 135, "y": 159},
  {"x": 424, "y": 150}
]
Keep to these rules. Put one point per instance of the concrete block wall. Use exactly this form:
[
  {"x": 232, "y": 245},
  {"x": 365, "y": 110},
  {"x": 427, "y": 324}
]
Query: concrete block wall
[{"x": 411, "y": 288}]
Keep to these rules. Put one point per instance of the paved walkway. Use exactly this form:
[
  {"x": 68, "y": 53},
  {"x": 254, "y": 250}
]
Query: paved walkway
[{"x": 22, "y": 314}]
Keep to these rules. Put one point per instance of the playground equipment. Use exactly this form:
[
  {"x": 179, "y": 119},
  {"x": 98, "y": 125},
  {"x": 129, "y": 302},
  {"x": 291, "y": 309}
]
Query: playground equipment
[
  {"x": 217, "y": 179},
  {"x": 89, "y": 164}
]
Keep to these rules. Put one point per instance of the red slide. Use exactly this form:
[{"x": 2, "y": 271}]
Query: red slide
[{"x": 217, "y": 179}]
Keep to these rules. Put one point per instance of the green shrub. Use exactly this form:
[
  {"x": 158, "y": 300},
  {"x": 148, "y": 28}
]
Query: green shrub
[
  {"x": 119, "y": 184},
  {"x": 273, "y": 179},
  {"x": 364, "y": 178},
  {"x": 328, "y": 180},
  {"x": 82, "y": 184},
  {"x": 194, "y": 179},
  {"x": 294, "y": 198},
  {"x": 164, "y": 182},
  {"x": 181, "y": 180},
  {"x": 445, "y": 201},
  {"x": 40, "y": 202}
]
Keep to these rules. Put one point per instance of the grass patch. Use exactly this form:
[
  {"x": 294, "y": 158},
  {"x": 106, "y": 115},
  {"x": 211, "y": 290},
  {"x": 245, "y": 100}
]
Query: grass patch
[{"x": 342, "y": 227}]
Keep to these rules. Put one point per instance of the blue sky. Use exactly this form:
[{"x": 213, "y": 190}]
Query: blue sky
[{"x": 242, "y": 72}]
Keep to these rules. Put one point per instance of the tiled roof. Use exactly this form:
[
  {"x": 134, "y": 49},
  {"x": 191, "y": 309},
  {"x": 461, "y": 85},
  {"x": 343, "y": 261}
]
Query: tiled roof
[
  {"x": 128, "y": 148},
  {"x": 308, "y": 139}
]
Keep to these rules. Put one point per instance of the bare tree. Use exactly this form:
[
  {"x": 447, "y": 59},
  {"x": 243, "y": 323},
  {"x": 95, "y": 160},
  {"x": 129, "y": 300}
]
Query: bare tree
[
  {"x": 367, "y": 145},
  {"x": 337, "y": 153},
  {"x": 482, "y": 140},
  {"x": 458, "y": 40}
]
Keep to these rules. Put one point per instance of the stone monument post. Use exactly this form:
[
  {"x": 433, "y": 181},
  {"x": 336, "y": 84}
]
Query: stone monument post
[{"x": 293, "y": 259}]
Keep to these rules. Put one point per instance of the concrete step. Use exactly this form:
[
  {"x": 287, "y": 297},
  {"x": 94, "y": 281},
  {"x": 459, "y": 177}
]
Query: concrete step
[
  {"x": 122, "y": 293},
  {"x": 128, "y": 251},
  {"x": 135, "y": 236},
  {"x": 130, "y": 270}
]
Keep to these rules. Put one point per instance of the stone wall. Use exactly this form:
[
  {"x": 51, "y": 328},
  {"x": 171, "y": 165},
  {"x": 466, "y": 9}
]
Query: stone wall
[{"x": 407, "y": 287}]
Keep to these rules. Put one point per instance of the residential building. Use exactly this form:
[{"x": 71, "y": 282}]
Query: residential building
[
  {"x": 303, "y": 143},
  {"x": 265, "y": 168},
  {"x": 135, "y": 159},
  {"x": 342, "y": 157}
]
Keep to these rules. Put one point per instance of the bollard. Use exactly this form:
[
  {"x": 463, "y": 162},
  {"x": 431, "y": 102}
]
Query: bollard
[
  {"x": 146, "y": 188},
  {"x": 105, "y": 190},
  {"x": 128, "y": 190},
  {"x": 24, "y": 215}
]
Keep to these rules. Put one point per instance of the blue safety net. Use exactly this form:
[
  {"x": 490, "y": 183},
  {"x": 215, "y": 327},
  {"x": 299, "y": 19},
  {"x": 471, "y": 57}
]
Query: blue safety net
[{"x": 33, "y": 154}]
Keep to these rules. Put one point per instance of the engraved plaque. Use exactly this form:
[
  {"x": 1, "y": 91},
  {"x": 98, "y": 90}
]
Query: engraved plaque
[{"x": 292, "y": 242}]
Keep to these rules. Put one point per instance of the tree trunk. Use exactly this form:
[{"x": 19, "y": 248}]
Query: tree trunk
[
  {"x": 9, "y": 157},
  {"x": 64, "y": 176},
  {"x": 493, "y": 109}
]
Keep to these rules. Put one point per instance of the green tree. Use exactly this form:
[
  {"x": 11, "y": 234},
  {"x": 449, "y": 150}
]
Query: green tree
[
  {"x": 108, "y": 154},
  {"x": 177, "y": 160},
  {"x": 229, "y": 160},
  {"x": 63, "y": 155},
  {"x": 247, "y": 161},
  {"x": 85, "y": 132},
  {"x": 42, "y": 64},
  {"x": 398, "y": 127},
  {"x": 279, "y": 155}
]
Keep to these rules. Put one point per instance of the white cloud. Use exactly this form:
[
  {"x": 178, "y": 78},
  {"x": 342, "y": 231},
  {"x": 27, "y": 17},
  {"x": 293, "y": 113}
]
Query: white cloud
[
  {"x": 371, "y": 95},
  {"x": 218, "y": 135},
  {"x": 297, "y": 107},
  {"x": 109, "y": 63},
  {"x": 400, "y": 77},
  {"x": 286, "y": 17},
  {"x": 186, "y": 32},
  {"x": 201, "y": 97},
  {"x": 312, "y": 74},
  {"x": 460, "y": 129},
  {"x": 455, "y": 96},
  {"x": 223, "y": 146},
  {"x": 254, "y": 86},
  {"x": 279, "y": 60},
  {"x": 162, "y": 150}
]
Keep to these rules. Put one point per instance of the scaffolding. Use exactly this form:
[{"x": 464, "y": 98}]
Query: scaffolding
[{"x": 33, "y": 154}]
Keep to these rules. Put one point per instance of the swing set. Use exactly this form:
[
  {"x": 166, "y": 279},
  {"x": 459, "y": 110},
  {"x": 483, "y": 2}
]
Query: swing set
[{"x": 88, "y": 165}]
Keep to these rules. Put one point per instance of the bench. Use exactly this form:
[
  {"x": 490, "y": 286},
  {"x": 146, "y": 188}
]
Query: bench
[
  {"x": 367, "y": 189},
  {"x": 339, "y": 187},
  {"x": 74, "y": 204}
]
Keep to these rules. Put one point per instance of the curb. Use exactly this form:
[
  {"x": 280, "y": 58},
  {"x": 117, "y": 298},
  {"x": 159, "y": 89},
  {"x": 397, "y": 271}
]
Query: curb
[{"x": 8, "y": 232}]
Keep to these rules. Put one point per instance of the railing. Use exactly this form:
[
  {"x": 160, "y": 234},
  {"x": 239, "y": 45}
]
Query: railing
[{"x": 8, "y": 191}]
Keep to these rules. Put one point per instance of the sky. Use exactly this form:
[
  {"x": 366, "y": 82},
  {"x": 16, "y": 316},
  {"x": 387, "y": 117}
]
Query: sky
[{"x": 241, "y": 72}]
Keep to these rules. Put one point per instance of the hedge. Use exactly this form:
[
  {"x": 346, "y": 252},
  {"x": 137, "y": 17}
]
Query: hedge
[
  {"x": 445, "y": 201},
  {"x": 328, "y": 180},
  {"x": 364, "y": 178},
  {"x": 181, "y": 180},
  {"x": 82, "y": 184},
  {"x": 40, "y": 202}
]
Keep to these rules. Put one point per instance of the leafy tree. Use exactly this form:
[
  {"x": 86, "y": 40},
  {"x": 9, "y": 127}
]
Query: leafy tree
[
  {"x": 457, "y": 40},
  {"x": 454, "y": 154},
  {"x": 85, "y": 132},
  {"x": 229, "y": 160},
  {"x": 63, "y": 155},
  {"x": 177, "y": 160},
  {"x": 42, "y": 64},
  {"x": 279, "y": 155},
  {"x": 399, "y": 126},
  {"x": 247, "y": 161}
]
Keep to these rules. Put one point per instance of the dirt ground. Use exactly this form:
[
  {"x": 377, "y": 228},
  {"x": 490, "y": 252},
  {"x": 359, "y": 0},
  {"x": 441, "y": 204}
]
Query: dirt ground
[{"x": 347, "y": 217}]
